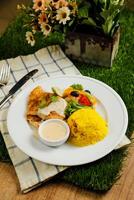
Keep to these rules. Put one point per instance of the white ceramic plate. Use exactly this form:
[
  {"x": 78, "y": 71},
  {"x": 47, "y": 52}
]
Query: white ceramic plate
[{"x": 110, "y": 106}]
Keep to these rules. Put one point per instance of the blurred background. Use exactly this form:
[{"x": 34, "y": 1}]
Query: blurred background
[{"x": 8, "y": 10}]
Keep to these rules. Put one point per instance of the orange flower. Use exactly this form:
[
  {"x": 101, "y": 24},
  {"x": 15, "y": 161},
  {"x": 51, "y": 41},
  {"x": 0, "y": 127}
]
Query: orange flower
[
  {"x": 43, "y": 18},
  {"x": 39, "y": 5},
  {"x": 59, "y": 3},
  {"x": 73, "y": 7}
]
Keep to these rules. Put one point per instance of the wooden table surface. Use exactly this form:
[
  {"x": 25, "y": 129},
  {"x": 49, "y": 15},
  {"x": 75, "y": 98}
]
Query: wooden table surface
[{"x": 122, "y": 190}]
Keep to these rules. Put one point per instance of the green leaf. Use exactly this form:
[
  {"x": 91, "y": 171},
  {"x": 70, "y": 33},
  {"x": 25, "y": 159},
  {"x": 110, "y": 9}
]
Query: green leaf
[
  {"x": 115, "y": 24},
  {"x": 71, "y": 22},
  {"x": 110, "y": 17},
  {"x": 77, "y": 86},
  {"x": 107, "y": 25},
  {"x": 83, "y": 12},
  {"x": 117, "y": 2},
  {"x": 89, "y": 21},
  {"x": 56, "y": 27},
  {"x": 72, "y": 107},
  {"x": 104, "y": 13}
]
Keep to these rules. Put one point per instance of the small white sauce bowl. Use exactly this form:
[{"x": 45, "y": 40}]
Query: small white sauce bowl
[{"x": 56, "y": 142}]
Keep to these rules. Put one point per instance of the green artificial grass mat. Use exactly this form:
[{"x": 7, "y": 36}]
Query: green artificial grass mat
[{"x": 101, "y": 174}]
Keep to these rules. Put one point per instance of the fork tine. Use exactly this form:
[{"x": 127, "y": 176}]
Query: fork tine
[
  {"x": 4, "y": 74},
  {"x": 1, "y": 72},
  {"x": 5, "y": 78},
  {"x": 8, "y": 74},
  {"x": 1, "y": 75}
]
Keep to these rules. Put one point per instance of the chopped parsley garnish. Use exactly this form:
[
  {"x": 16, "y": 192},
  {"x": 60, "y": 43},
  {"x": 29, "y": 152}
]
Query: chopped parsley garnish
[{"x": 54, "y": 98}]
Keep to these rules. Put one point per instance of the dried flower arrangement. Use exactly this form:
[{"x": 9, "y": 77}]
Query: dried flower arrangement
[{"x": 48, "y": 16}]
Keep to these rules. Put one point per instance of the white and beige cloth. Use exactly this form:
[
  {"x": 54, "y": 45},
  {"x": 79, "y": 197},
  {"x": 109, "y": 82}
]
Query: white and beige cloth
[{"x": 50, "y": 61}]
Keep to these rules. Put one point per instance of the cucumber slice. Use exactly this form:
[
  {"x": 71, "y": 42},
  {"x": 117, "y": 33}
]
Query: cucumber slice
[{"x": 57, "y": 91}]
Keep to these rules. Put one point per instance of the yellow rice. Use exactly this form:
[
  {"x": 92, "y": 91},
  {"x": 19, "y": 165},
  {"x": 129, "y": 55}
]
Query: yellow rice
[{"x": 87, "y": 127}]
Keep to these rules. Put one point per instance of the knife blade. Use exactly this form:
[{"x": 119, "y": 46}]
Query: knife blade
[{"x": 17, "y": 86}]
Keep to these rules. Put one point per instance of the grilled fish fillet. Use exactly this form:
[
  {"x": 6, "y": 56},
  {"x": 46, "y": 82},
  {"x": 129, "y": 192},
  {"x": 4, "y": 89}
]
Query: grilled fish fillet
[{"x": 53, "y": 110}]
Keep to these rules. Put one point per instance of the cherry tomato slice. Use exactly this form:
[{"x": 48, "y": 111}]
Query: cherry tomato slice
[{"x": 84, "y": 100}]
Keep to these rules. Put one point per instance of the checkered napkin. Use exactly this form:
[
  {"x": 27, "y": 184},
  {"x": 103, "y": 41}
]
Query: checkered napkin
[{"x": 49, "y": 61}]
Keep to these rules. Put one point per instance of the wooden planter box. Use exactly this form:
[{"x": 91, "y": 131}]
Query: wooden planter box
[{"x": 92, "y": 49}]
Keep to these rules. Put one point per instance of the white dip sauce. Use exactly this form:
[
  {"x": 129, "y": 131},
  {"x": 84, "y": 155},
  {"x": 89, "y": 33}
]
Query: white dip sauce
[{"x": 53, "y": 131}]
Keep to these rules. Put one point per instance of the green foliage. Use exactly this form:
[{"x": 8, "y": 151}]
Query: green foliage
[
  {"x": 99, "y": 175},
  {"x": 83, "y": 11},
  {"x": 102, "y": 15},
  {"x": 72, "y": 107},
  {"x": 102, "y": 174},
  {"x": 110, "y": 15}
]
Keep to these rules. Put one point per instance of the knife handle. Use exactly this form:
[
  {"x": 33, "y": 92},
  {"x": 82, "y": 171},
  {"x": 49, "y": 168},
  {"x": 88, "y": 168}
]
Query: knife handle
[
  {"x": 17, "y": 86},
  {"x": 22, "y": 81}
]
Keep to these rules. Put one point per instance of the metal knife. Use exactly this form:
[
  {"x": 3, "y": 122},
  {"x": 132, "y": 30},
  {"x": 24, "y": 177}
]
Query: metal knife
[{"x": 17, "y": 86}]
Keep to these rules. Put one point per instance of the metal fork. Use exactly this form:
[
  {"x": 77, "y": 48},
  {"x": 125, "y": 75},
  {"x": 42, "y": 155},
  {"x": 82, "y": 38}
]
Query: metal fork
[{"x": 4, "y": 75}]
